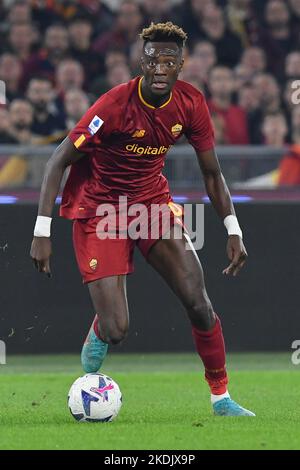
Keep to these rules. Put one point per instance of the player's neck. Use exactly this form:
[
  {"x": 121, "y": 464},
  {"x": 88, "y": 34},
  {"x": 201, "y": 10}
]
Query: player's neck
[{"x": 152, "y": 99}]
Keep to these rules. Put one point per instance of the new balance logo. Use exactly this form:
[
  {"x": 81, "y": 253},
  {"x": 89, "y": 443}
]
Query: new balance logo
[{"x": 139, "y": 133}]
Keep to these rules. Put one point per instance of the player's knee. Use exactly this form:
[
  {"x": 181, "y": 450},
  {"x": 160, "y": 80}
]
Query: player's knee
[{"x": 201, "y": 314}]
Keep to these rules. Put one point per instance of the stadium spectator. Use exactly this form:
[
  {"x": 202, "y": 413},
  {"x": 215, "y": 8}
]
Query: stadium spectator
[
  {"x": 43, "y": 14},
  {"x": 158, "y": 11},
  {"x": 6, "y": 137},
  {"x": 189, "y": 14},
  {"x": 247, "y": 98},
  {"x": 296, "y": 125},
  {"x": 277, "y": 37},
  {"x": 67, "y": 9},
  {"x": 294, "y": 6},
  {"x": 219, "y": 129},
  {"x": 242, "y": 20},
  {"x": 2, "y": 9},
  {"x": 40, "y": 93},
  {"x": 117, "y": 75},
  {"x": 135, "y": 54},
  {"x": 292, "y": 65},
  {"x": 242, "y": 76},
  {"x": 45, "y": 61},
  {"x": 289, "y": 169},
  {"x": 80, "y": 34},
  {"x": 76, "y": 103},
  {"x": 248, "y": 101},
  {"x": 19, "y": 13},
  {"x": 69, "y": 75},
  {"x": 13, "y": 169},
  {"x": 213, "y": 28},
  {"x": 101, "y": 14},
  {"x": 288, "y": 97},
  {"x": 254, "y": 59},
  {"x": 258, "y": 39},
  {"x": 268, "y": 93},
  {"x": 274, "y": 129},
  {"x": 127, "y": 26},
  {"x": 221, "y": 87},
  {"x": 21, "y": 119},
  {"x": 20, "y": 40},
  {"x": 10, "y": 73},
  {"x": 206, "y": 51},
  {"x": 115, "y": 57},
  {"x": 194, "y": 73}
]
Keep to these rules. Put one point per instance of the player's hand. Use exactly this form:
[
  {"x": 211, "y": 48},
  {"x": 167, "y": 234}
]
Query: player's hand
[
  {"x": 40, "y": 254},
  {"x": 237, "y": 254}
]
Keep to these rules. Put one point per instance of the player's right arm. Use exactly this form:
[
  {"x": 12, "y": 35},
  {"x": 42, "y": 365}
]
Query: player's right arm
[
  {"x": 64, "y": 155},
  {"x": 98, "y": 122}
]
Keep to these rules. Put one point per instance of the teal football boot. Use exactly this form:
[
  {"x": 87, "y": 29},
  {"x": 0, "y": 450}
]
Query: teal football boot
[
  {"x": 93, "y": 352},
  {"x": 228, "y": 407}
]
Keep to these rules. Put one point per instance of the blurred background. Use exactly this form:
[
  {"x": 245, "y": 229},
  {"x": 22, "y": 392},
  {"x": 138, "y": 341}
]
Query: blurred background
[{"x": 56, "y": 59}]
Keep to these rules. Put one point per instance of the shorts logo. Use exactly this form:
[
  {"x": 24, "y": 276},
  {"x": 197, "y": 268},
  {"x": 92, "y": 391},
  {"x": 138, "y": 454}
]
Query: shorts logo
[
  {"x": 95, "y": 125},
  {"x": 139, "y": 133},
  {"x": 176, "y": 130},
  {"x": 93, "y": 264}
]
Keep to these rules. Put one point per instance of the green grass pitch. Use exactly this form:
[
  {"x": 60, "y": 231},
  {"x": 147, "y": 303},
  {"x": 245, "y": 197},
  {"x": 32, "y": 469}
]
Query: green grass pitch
[{"x": 165, "y": 404}]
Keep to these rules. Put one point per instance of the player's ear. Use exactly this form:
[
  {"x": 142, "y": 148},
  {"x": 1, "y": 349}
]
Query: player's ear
[
  {"x": 142, "y": 64},
  {"x": 181, "y": 64}
]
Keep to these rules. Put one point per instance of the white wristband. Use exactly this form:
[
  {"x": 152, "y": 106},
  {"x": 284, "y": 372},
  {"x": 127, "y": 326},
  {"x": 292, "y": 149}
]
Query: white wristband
[
  {"x": 232, "y": 225},
  {"x": 42, "y": 226}
]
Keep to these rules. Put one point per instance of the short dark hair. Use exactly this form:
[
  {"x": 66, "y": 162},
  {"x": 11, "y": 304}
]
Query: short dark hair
[
  {"x": 163, "y": 32},
  {"x": 80, "y": 17}
]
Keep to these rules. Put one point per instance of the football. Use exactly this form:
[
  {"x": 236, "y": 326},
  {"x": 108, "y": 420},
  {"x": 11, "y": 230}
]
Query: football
[{"x": 94, "y": 398}]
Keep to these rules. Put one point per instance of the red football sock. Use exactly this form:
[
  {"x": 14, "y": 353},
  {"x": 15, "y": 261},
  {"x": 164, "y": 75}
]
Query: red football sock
[
  {"x": 96, "y": 326},
  {"x": 211, "y": 349}
]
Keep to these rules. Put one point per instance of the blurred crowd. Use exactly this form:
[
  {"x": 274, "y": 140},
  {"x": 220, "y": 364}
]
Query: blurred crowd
[{"x": 57, "y": 57}]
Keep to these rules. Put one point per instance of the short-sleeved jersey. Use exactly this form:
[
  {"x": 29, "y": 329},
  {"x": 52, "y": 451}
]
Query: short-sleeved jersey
[{"x": 125, "y": 141}]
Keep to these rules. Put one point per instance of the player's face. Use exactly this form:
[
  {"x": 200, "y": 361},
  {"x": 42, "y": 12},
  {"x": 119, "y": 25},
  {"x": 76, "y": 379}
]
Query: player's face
[{"x": 161, "y": 63}]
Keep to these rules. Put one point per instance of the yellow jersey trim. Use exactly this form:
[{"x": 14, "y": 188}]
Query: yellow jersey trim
[
  {"x": 79, "y": 141},
  {"x": 145, "y": 102}
]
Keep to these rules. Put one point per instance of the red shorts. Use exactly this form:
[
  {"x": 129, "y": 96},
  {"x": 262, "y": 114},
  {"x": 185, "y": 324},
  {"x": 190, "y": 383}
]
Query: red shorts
[{"x": 100, "y": 257}]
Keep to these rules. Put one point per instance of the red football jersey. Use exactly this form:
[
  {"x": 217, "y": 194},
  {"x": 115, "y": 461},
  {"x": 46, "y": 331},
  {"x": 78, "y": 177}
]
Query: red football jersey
[{"x": 125, "y": 141}]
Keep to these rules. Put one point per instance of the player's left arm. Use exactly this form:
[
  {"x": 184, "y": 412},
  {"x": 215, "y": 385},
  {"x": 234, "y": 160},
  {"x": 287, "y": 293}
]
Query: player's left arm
[{"x": 219, "y": 195}]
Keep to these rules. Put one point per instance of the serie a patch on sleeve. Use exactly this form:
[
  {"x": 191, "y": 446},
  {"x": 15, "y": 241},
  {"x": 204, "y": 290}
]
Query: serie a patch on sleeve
[{"x": 95, "y": 125}]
